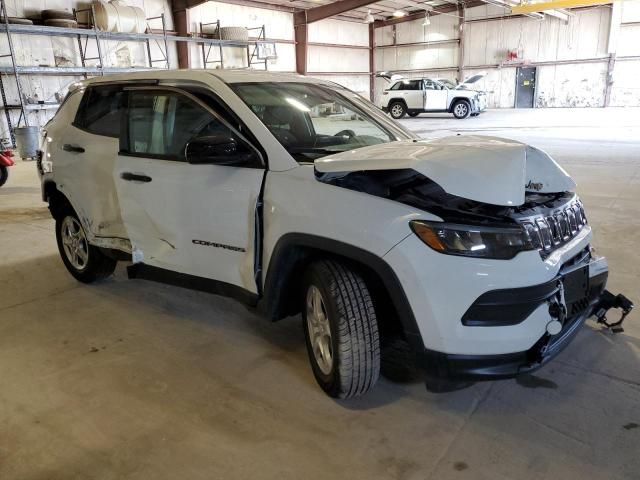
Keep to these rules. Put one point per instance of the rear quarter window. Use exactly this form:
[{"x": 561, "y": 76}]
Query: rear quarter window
[{"x": 100, "y": 110}]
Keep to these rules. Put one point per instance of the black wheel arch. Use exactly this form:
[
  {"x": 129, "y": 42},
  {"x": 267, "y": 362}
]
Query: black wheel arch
[
  {"x": 295, "y": 251},
  {"x": 398, "y": 100},
  {"x": 456, "y": 100},
  {"x": 58, "y": 202}
]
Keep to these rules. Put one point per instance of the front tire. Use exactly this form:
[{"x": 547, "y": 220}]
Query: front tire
[
  {"x": 84, "y": 261},
  {"x": 4, "y": 175},
  {"x": 397, "y": 110},
  {"x": 461, "y": 109},
  {"x": 413, "y": 114},
  {"x": 341, "y": 330}
]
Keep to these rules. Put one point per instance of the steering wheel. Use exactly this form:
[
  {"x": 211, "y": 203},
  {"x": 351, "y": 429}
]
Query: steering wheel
[{"x": 345, "y": 133}]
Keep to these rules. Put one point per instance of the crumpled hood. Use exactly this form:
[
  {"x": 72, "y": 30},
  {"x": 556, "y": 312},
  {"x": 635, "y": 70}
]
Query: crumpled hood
[{"x": 491, "y": 170}]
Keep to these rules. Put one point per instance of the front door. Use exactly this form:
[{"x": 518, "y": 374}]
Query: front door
[
  {"x": 435, "y": 95},
  {"x": 525, "y": 87},
  {"x": 197, "y": 219}
]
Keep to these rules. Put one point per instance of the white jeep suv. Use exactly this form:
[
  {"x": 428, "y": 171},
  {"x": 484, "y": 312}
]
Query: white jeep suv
[
  {"x": 297, "y": 195},
  {"x": 413, "y": 97}
]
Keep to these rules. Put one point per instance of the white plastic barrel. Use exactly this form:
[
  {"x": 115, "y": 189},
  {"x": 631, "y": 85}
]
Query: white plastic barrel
[
  {"x": 27, "y": 141},
  {"x": 115, "y": 16}
]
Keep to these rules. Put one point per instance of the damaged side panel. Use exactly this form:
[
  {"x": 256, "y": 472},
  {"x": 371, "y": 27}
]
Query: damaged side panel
[
  {"x": 193, "y": 219},
  {"x": 85, "y": 176}
]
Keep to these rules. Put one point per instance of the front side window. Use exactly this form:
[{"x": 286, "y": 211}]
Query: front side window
[
  {"x": 447, "y": 83},
  {"x": 312, "y": 121},
  {"x": 100, "y": 110},
  {"x": 430, "y": 85},
  {"x": 161, "y": 123}
]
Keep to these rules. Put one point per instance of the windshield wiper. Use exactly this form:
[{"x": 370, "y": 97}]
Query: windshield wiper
[{"x": 324, "y": 151}]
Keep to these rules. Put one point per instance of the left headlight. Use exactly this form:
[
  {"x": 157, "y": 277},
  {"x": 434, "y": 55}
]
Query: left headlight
[{"x": 473, "y": 241}]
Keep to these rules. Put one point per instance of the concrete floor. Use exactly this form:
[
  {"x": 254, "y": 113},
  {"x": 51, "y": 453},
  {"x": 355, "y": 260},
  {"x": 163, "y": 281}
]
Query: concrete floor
[{"x": 131, "y": 379}]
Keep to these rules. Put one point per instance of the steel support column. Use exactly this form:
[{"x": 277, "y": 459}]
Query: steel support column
[
  {"x": 180, "y": 22},
  {"x": 460, "y": 42},
  {"x": 372, "y": 61},
  {"x": 301, "y": 30},
  {"x": 609, "y": 80}
]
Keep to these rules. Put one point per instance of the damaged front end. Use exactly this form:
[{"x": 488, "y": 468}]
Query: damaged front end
[{"x": 539, "y": 213}]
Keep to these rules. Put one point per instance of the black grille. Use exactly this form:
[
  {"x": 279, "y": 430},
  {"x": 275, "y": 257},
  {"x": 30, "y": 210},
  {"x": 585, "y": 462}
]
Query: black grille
[{"x": 552, "y": 230}]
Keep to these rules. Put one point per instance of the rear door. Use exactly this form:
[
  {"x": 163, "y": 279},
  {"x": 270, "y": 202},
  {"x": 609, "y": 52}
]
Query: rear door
[
  {"x": 413, "y": 94},
  {"x": 84, "y": 154},
  {"x": 435, "y": 95},
  {"x": 197, "y": 219}
]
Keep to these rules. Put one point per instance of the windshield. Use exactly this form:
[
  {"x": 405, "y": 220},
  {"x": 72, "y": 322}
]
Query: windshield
[
  {"x": 447, "y": 83},
  {"x": 312, "y": 121}
]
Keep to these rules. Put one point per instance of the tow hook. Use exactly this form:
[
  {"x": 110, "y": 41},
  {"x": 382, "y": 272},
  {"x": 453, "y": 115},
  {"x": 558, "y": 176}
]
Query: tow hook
[
  {"x": 558, "y": 311},
  {"x": 607, "y": 301}
]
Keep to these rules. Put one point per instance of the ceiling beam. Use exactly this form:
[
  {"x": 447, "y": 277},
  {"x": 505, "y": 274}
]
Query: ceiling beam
[
  {"x": 555, "y": 4},
  {"x": 452, "y": 9},
  {"x": 329, "y": 10},
  {"x": 558, "y": 14},
  {"x": 178, "y": 5}
]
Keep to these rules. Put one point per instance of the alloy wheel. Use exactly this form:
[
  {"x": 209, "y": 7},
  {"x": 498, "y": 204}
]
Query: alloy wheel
[
  {"x": 74, "y": 242},
  {"x": 319, "y": 330},
  {"x": 461, "y": 109},
  {"x": 396, "y": 110}
]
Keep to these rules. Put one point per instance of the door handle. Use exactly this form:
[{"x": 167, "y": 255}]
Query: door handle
[
  {"x": 134, "y": 177},
  {"x": 67, "y": 147}
]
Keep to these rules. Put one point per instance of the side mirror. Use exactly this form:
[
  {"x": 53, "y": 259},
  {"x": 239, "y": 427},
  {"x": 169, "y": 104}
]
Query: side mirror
[{"x": 219, "y": 149}]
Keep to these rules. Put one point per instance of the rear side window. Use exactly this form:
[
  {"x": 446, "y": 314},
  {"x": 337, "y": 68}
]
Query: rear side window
[
  {"x": 408, "y": 85},
  {"x": 100, "y": 110}
]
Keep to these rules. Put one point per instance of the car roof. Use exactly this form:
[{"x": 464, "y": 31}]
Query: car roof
[{"x": 226, "y": 75}]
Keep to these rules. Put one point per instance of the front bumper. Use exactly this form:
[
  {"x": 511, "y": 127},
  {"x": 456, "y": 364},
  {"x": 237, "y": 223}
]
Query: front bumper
[{"x": 490, "y": 367}]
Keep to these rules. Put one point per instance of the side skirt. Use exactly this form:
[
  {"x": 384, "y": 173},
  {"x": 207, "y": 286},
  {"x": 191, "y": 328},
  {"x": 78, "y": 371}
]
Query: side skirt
[{"x": 184, "y": 280}]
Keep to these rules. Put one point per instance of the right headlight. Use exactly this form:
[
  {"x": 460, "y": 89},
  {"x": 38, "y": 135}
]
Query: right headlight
[{"x": 473, "y": 241}]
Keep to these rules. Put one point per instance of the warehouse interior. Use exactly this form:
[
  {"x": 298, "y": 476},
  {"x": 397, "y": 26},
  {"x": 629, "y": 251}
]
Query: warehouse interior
[{"x": 135, "y": 379}]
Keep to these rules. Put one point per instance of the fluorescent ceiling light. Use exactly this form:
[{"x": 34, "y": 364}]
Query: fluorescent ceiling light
[{"x": 399, "y": 13}]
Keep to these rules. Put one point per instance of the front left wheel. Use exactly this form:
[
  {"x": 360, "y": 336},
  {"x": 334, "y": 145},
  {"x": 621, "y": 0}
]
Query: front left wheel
[
  {"x": 84, "y": 261},
  {"x": 461, "y": 109},
  {"x": 341, "y": 329}
]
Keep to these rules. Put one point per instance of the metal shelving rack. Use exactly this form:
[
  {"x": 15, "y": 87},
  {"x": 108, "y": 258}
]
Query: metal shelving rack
[
  {"x": 252, "y": 55},
  {"x": 93, "y": 34}
]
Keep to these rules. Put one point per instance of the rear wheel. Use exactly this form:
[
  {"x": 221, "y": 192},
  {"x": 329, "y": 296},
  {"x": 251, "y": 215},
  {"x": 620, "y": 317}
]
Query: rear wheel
[
  {"x": 4, "y": 175},
  {"x": 461, "y": 109},
  {"x": 397, "y": 110},
  {"x": 413, "y": 114},
  {"x": 84, "y": 261},
  {"x": 341, "y": 330}
]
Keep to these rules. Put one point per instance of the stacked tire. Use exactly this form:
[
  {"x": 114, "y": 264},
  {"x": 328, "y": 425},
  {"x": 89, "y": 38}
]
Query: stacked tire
[
  {"x": 59, "y": 18},
  {"x": 17, "y": 21},
  {"x": 239, "y": 34}
]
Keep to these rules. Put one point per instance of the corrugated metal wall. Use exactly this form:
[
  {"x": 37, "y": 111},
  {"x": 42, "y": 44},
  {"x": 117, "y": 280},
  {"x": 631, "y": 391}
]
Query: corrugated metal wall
[{"x": 571, "y": 57}]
